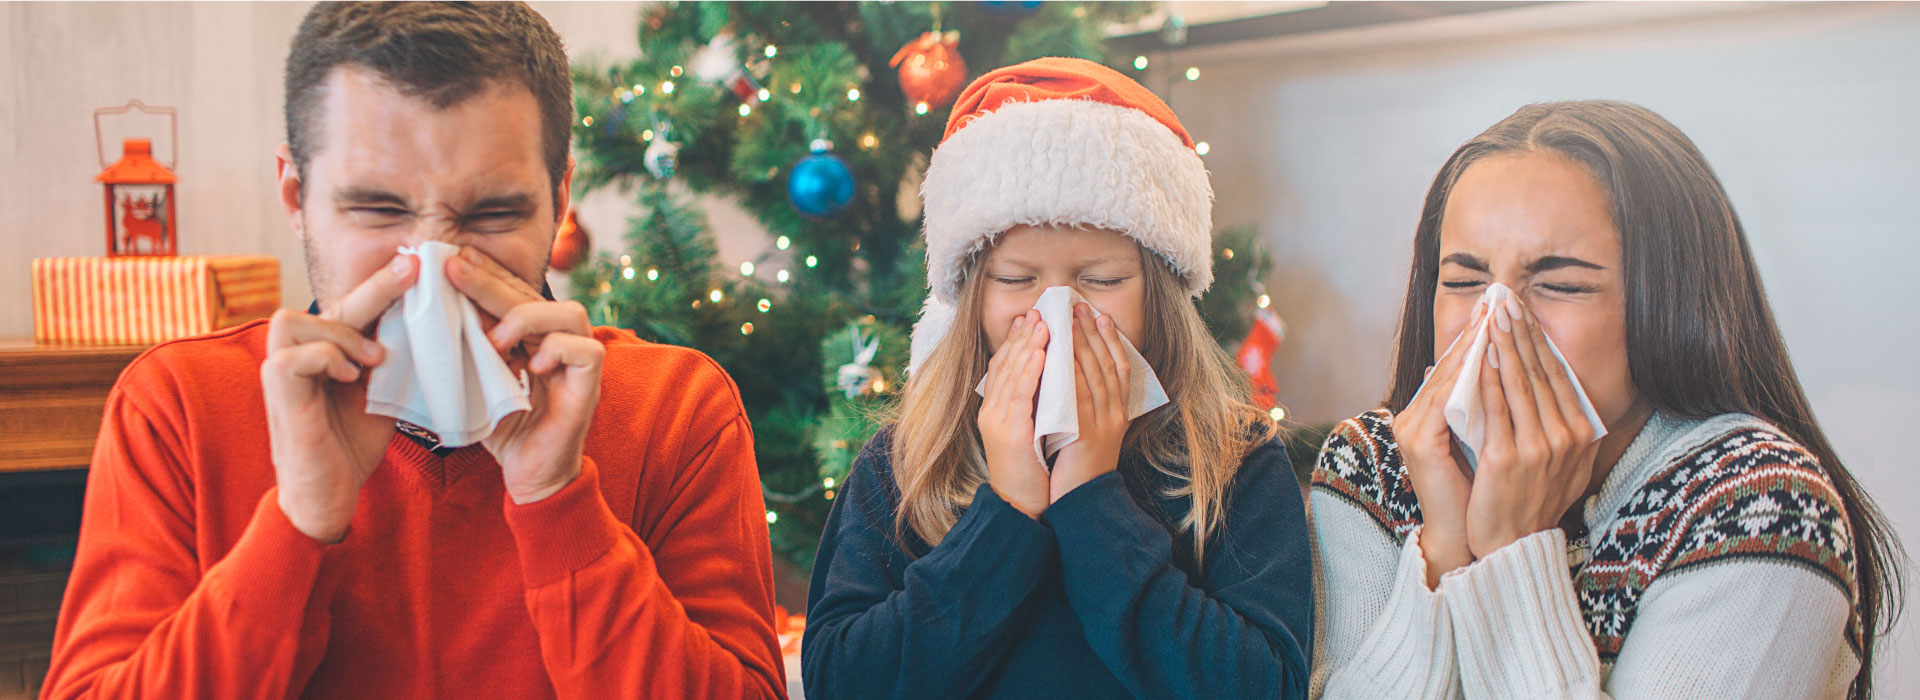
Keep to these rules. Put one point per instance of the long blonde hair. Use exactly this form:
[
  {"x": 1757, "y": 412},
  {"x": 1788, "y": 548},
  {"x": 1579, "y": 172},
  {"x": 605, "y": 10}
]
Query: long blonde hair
[{"x": 1197, "y": 440}]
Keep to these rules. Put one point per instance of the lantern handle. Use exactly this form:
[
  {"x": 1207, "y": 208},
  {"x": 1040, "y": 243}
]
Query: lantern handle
[{"x": 173, "y": 118}]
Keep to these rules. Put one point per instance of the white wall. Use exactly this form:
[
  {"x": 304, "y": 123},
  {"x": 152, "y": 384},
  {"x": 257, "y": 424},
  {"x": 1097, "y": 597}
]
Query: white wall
[
  {"x": 1810, "y": 115},
  {"x": 221, "y": 65}
]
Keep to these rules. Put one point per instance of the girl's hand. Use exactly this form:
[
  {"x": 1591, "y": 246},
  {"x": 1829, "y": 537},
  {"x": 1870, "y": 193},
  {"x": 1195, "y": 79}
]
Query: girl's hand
[
  {"x": 1435, "y": 466},
  {"x": 1101, "y": 386},
  {"x": 1539, "y": 454},
  {"x": 1006, "y": 417}
]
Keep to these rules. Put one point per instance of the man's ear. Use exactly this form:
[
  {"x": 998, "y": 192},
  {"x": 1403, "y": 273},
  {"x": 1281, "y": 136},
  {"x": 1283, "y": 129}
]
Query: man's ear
[
  {"x": 563, "y": 194},
  {"x": 290, "y": 189}
]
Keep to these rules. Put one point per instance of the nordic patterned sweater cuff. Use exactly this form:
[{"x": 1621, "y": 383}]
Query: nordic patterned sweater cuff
[
  {"x": 1517, "y": 625},
  {"x": 1409, "y": 651}
]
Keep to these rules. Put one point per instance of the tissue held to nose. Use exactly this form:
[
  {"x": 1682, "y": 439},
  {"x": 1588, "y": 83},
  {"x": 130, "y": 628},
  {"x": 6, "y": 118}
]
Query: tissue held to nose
[
  {"x": 1056, "y": 421},
  {"x": 1463, "y": 411},
  {"x": 443, "y": 374}
]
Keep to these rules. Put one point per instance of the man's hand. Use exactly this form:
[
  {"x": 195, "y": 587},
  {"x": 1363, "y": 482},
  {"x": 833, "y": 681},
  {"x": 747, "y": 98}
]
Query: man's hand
[
  {"x": 324, "y": 443},
  {"x": 538, "y": 450}
]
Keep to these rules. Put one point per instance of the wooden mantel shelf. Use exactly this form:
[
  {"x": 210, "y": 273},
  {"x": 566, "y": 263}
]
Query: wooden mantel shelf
[{"x": 51, "y": 401}]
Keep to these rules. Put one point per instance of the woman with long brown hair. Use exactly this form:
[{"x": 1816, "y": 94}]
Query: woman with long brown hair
[
  {"x": 1611, "y": 483},
  {"x": 1161, "y": 551}
]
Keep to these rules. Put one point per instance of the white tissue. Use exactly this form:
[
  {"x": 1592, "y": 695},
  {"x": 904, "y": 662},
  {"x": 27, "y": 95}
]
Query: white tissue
[
  {"x": 1463, "y": 411},
  {"x": 1056, "y": 416},
  {"x": 441, "y": 372}
]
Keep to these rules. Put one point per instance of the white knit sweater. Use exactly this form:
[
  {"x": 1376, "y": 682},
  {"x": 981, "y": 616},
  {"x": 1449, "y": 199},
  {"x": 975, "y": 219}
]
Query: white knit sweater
[{"x": 1718, "y": 565}]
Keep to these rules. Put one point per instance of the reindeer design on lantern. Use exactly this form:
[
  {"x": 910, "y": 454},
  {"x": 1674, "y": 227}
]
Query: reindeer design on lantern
[{"x": 142, "y": 219}]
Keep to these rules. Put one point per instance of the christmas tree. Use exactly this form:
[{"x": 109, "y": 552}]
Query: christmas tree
[{"x": 818, "y": 119}]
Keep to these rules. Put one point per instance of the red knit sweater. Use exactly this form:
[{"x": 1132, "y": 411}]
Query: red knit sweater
[{"x": 649, "y": 576}]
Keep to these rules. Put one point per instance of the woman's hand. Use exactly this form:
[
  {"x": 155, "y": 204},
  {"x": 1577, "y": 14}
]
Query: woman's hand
[
  {"x": 1438, "y": 471},
  {"x": 1538, "y": 458},
  {"x": 1101, "y": 386},
  {"x": 1006, "y": 417}
]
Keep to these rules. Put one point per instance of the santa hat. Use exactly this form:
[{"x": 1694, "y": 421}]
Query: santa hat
[{"x": 1060, "y": 141}]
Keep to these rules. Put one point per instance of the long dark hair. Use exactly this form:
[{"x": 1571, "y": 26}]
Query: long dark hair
[{"x": 1701, "y": 340}]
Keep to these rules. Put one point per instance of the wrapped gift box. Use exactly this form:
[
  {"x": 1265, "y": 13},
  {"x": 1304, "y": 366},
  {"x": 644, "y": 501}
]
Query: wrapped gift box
[{"x": 144, "y": 300}]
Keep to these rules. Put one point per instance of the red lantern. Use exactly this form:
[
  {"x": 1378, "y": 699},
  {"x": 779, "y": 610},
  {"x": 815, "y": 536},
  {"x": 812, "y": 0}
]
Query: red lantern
[
  {"x": 139, "y": 191},
  {"x": 931, "y": 70}
]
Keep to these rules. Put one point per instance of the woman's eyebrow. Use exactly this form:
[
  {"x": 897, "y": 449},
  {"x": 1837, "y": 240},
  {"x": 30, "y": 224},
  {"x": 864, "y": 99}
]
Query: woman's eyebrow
[
  {"x": 1555, "y": 262},
  {"x": 1467, "y": 261}
]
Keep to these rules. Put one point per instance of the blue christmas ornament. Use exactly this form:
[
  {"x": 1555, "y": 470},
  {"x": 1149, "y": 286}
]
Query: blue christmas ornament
[
  {"x": 821, "y": 185},
  {"x": 1010, "y": 8}
]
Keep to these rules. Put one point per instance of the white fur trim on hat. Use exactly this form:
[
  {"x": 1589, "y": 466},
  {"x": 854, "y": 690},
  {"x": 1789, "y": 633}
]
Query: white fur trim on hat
[
  {"x": 1061, "y": 162},
  {"x": 936, "y": 317},
  {"x": 1071, "y": 163}
]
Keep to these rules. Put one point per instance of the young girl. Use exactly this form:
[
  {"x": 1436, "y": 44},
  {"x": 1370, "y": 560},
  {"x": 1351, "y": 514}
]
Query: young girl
[
  {"x": 1162, "y": 557},
  {"x": 1709, "y": 545}
]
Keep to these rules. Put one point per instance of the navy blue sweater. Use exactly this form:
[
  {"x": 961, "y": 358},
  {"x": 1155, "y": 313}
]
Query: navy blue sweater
[{"x": 1098, "y": 599}]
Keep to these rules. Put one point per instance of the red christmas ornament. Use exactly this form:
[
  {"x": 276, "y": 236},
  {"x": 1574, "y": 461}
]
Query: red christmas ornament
[
  {"x": 1256, "y": 355},
  {"x": 570, "y": 245},
  {"x": 931, "y": 70}
]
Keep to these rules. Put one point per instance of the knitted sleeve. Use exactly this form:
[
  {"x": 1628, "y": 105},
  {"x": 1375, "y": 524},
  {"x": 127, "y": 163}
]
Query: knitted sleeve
[
  {"x": 883, "y": 625},
  {"x": 1753, "y": 584},
  {"x": 1239, "y": 631},
  {"x": 1727, "y": 575},
  {"x": 1379, "y": 632}
]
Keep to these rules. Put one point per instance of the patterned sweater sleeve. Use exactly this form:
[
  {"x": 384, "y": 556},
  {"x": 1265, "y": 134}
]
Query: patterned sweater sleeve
[
  {"x": 1379, "y": 632},
  {"x": 1749, "y": 594}
]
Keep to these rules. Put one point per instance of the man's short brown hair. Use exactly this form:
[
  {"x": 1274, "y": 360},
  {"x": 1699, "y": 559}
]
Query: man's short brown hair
[{"x": 441, "y": 52}]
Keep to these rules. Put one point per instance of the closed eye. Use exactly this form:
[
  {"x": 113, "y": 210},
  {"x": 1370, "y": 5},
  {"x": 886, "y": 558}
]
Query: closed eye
[
  {"x": 1469, "y": 284},
  {"x": 1012, "y": 280},
  {"x": 1104, "y": 281},
  {"x": 1569, "y": 288}
]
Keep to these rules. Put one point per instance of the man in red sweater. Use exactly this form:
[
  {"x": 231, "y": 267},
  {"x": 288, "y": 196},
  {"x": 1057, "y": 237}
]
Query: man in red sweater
[{"x": 252, "y": 532}]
